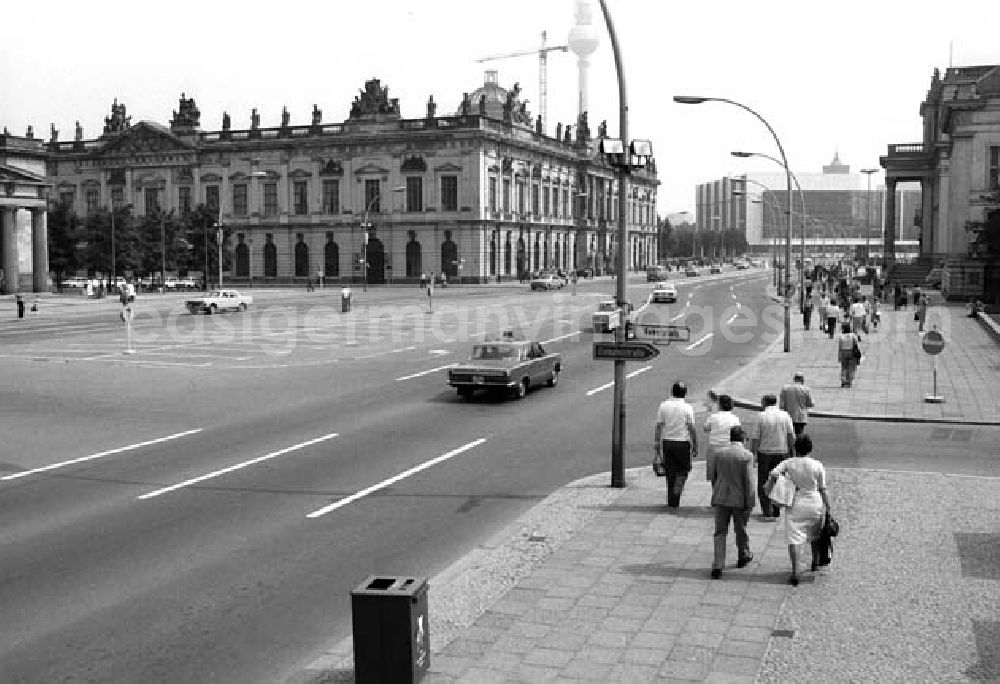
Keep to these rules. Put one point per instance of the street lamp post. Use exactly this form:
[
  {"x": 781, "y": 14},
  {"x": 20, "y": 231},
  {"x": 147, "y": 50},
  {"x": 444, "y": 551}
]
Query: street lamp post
[
  {"x": 113, "y": 274},
  {"x": 623, "y": 155},
  {"x": 688, "y": 99},
  {"x": 868, "y": 215},
  {"x": 219, "y": 237},
  {"x": 803, "y": 214},
  {"x": 365, "y": 225},
  {"x": 163, "y": 255}
]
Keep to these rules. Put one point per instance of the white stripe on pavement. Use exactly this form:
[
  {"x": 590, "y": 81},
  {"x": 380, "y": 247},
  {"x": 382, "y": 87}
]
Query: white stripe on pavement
[
  {"x": 394, "y": 479},
  {"x": 426, "y": 372},
  {"x": 611, "y": 384},
  {"x": 109, "y": 452},
  {"x": 244, "y": 464},
  {"x": 731, "y": 319},
  {"x": 682, "y": 314},
  {"x": 695, "y": 344},
  {"x": 561, "y": 337}
]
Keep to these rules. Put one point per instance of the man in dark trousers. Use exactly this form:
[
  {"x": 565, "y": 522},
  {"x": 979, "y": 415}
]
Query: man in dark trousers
[
  {"x": 733, "y": 497},
  {"x": 772, "y": 440},
  {"x": 20, "y": 305}
]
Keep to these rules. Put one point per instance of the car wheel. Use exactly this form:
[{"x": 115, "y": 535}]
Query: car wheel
[
  {"x": 243, "y": 307},
  {"x": 465, "y": 392},
  {"x": 554, "y": 378},
  {"x": 212, "y": 310}
]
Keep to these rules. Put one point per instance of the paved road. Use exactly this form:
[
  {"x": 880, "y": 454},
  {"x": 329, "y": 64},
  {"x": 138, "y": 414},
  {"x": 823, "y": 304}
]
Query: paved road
[{"x": 157, "y": 506}]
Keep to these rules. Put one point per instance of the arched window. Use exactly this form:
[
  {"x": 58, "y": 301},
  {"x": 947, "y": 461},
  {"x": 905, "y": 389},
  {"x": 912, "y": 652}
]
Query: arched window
[
  {"x": 331, "y": 258},
  {"x": 270, "y": 258},
  {"x": 242, "y": 260},
  {"x": 301, "y": 257},
  {"x": 556, "y": 261},
  {"x": 506, "y": 255},
  {"x": 413, "y": 257}
]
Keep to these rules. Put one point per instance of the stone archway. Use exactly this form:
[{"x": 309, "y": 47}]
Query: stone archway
[
  {"x": 449, "y": 256},
  {"x": 242, "y": 260},
  {"x": 331, "y": 259},
  {"x": 414, "y": 265},
  {"x": 376, "y": 261},
  {"x": 301, "y": 259}
]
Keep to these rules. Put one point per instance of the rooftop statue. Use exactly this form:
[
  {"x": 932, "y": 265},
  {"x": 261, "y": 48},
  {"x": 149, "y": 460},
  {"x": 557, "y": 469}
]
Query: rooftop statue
[
  {"x": 285, "y": 117},
  {"x": 431, "y": 107},
  {"x": 187, "y": 114},
  {"x": 317, "y": 116},
  {"x": 79, "y": 132},
  {"x": 482, "y": 105},
  {"x": 374, "y": 100},
  {"x": 602, "y": 129},
  {"x": 466, "y": 105},
  {"x": 254, "y": 119},
  {"x": 226, "y": 123},
  {"x": 53, "y": 133},
  {"x": 118, "y": 121}
]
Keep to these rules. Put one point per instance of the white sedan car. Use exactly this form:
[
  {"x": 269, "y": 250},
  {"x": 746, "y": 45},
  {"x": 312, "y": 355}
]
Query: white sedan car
[{"x": 664, "y": 292}]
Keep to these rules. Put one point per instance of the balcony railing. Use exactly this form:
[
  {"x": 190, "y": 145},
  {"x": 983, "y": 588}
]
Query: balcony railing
[{"x": 908, "y": 149}]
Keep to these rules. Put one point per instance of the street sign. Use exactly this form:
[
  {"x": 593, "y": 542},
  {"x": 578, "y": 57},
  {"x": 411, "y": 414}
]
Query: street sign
[
  {"x": 625, "y": 351},
  {"x": 663, "y": 334},
  {"x": 933, "y": 342}
]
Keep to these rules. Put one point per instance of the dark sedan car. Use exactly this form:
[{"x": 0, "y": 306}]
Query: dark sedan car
[{"x": 510, "y": 366}]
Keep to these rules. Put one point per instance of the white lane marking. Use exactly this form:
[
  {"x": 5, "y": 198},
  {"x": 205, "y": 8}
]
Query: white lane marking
[
  {"x": 695, "y": 344},
  {"x": 478, "y": 334},
  {"x": 109, "y": 452},
  {"x": 426, "y": 372},
  {"x": 731, "y": 319},
  {"x": 638, "y": 371},
  {"x": 680, "y": 315},
  {"x": 561, "y": 337},
  {"x": 403, "y": 349},
  {"x": 238, "y": 466},
  {"x": 395, "y": 478},
  {"x": 438, "y": 352},
  {"x": 598, "y": 389}
]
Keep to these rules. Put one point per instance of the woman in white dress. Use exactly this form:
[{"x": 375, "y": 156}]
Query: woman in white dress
[{"x": 804, "y": 518}]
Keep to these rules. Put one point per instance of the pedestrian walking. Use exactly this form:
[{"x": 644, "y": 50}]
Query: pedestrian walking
[
  {"x": 731, "y": 475},
  {"x": 804, "y": 518},
  {"x": 832, "y": 316},
  {"x": 921, "y": 315},
  {"x": 19, "y": 302},
  {"x": 676, "y": 438},
  {"x": 857, "y": 313},
  {"x": 876, "y": 316},
  {"x": 916, "y": 296},
  {"x": 807, "y": 308},
  {"x": 849, "y": 354},
  {"x": 795, "y": 399},
  {"x": 718, "y": 426},
  {"x": 772, "y": 439},
  {"x": 898, "y": 298},
  {"x": 34, "y": 306}
]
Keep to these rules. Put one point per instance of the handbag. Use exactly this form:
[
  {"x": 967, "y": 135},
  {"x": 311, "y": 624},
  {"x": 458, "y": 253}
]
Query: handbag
[
  {"x": 659, "y": 469},
  {"x": 782, "y": 491},
  {"x": 856, "y": 352}
]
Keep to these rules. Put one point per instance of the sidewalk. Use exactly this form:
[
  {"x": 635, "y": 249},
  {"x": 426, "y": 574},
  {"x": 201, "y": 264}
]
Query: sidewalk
[
  {"x": 607, "y": 585},
  {"x": 895, "y": 373}
]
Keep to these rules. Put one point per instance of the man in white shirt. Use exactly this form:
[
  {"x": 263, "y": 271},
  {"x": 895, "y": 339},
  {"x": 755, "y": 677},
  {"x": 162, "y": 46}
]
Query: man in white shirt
[
  {"x": 832, "y": 316},
  {"x": 719, "y": 426},
  {"x": 772, "y": 440},
  {"x": 858, "y": 323},
  {"x": 677, "y": 439}
]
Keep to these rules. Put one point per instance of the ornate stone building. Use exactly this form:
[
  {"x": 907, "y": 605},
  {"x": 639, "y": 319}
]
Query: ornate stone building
[
  {"x": 478, "y": 194},
  {"x": 23, "y": 230},
  {"x": 958, "y": 167}
]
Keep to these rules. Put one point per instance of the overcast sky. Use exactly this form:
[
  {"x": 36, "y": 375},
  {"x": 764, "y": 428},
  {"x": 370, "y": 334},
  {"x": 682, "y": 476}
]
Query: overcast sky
[{"x": 845, "y": 76}]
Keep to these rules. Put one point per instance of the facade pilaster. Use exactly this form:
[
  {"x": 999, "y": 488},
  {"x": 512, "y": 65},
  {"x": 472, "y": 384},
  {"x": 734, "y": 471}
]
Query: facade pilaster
[
  {"x": 889, "y": 240},
  {"x": 8, "y": 240},
  {"x": 39, "y": 250}
]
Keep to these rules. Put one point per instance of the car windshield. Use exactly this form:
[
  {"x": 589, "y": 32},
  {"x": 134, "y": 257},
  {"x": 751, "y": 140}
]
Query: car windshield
[
  {"x": 494, "y": 351},
  {"x": 215, "y": 293}
]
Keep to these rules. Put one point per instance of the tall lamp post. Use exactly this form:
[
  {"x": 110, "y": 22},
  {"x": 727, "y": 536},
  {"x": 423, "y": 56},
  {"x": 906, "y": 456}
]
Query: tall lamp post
[
  {"x": 624, "y": 156},
  {"x": 868, "y": 215},
  {"x": 692, "y": 99},
  {"x": 802, "y": 235},
  {"x": 365, "y": 225}
]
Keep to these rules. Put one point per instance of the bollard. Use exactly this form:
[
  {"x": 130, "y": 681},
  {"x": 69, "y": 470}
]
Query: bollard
[
  {"x": 391, "y": 630},
  {"x": 345, "y": 299}
]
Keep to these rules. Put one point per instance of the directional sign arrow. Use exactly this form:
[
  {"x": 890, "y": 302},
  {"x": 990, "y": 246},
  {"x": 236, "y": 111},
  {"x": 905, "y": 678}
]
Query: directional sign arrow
[{"x": 625, "y": 351}]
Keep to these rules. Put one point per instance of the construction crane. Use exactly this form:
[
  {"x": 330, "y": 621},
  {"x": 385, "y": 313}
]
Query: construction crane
[{"x": 543, "y": 55}]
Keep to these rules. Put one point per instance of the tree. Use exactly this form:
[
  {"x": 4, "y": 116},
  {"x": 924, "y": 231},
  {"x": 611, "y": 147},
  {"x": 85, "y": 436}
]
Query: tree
[{"x": 64, "y": 236}]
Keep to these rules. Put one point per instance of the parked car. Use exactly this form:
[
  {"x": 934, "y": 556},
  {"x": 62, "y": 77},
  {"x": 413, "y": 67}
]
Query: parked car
[
  {"x": 757, "y": 263},
  {"x": 741, "y": 265},
  {"x": 217, "y": 301},
  {"x": 691, "y": 272},
  {"x": 546, "y": 281},
  {"x": 507, "y": 365},
  {"x": 716, "y": 268},
  {"x": 608, "y": 317},
  {"x": 75, "y": 282},
  {"x": 664, "y": 292},
  {"x": 585, "y": 272},
  {"x": 656, "y": 274}
]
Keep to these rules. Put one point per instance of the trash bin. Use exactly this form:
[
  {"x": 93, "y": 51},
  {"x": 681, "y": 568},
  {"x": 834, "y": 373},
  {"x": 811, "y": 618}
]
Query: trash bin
[
  {"x": 391, "y": 632},
  {"x": 345, "y": 299}
]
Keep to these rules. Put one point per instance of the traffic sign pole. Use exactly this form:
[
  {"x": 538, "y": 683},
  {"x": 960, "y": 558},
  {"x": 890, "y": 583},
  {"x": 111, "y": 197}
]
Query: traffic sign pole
[{"x": 933, "y": 344}]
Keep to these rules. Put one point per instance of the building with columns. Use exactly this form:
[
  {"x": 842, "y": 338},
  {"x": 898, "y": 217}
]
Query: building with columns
[
  {"x": 957, "y": 166},
  {"x": 24, "y": 251},
  {"x": 481, "y": 193}
]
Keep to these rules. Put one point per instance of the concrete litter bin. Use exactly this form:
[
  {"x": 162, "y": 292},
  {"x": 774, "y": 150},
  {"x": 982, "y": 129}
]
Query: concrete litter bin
[
  {"x": 345, "y": 299},
  {"x": 391, "y": 631}
]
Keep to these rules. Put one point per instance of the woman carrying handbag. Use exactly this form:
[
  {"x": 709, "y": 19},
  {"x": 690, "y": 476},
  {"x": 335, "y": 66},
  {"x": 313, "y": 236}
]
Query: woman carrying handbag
[{"x": 804, "y": 518}]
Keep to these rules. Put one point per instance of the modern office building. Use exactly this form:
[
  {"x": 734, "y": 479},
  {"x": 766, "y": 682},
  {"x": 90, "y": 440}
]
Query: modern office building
[
  {"x": 478, "y": 193},
  {"x": 841, "y": 216},
  {"x": 957, "y": 167}
]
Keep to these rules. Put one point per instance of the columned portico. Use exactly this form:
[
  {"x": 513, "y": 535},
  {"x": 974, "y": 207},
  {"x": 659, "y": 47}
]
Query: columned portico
[
  {"x": 39, "y": 251},
  {"x": 889, "y": 239},
  {"x": 8, "y": 244}
]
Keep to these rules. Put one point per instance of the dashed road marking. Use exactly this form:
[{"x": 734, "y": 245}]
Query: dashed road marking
[
  {"x": 699, "y": 341},
  {"x": 425, "y": 372}
]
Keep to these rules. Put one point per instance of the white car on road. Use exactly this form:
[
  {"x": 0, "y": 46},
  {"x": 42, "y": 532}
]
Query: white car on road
[
  {"x": 664, "y": 292},
  {"x": 219, "y": 300}
]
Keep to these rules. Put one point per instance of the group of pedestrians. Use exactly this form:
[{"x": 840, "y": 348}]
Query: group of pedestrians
[{"x": 740, "y": 476}]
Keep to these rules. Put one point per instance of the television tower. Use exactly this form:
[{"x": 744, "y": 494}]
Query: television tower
[{"x": 583, "y": 42}]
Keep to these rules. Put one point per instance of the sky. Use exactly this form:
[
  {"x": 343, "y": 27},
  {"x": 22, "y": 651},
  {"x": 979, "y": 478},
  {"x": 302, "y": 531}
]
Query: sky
[{"x": 844, "y": 77}]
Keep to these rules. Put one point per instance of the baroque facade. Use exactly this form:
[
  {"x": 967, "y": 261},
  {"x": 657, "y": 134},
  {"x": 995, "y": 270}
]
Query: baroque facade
[{"x": 479, "y": 194}]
